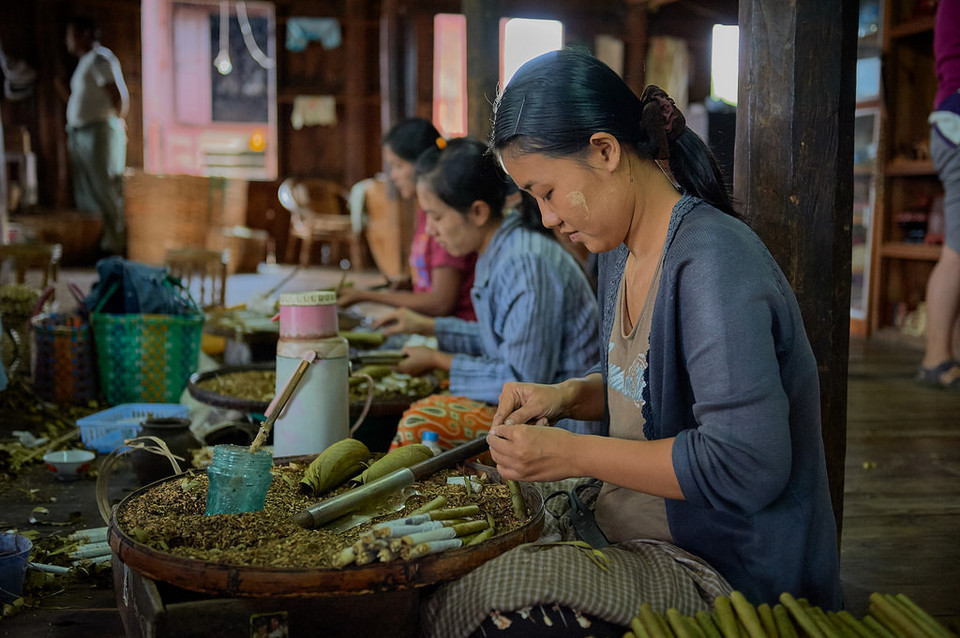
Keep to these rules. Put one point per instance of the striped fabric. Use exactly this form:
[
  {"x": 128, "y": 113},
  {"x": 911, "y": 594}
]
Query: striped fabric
[
  {"x": 543, "y": 573},
  {"x": 537, "y": 319}
]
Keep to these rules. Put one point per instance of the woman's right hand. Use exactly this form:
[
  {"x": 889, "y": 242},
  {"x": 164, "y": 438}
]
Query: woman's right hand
[
  {"x": 404, "y": 321},
  {"x": 533, "y": 403}
]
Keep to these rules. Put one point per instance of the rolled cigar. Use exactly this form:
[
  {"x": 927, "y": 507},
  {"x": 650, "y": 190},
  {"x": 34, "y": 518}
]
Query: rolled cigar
[
  {"x": 434, "y": 547},
  {"x": 454, "y": 531},
  {"x": 400, "y": 530},
  {"x": 91, "y": 550},
  {"x": 454, "y": 512},
  {"x": 344, "y": 558},
  {"x": 92, "y": 535}
]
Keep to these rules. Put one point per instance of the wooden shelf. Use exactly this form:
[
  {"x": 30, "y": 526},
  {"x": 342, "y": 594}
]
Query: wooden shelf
[
  {"x": 899, "y": 270},
  {"x": 915, "y": 26},
  {"x": 910, "y": 168},
  {"x": 917, "y": 252}
]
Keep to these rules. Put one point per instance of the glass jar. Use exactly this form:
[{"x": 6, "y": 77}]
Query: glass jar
[{"x": 238, "y": 480}]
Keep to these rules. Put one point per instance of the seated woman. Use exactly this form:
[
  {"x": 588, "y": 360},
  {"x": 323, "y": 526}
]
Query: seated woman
[
  {"x": 441, "y": 282},
  {"x": 713, "y": 471},
  {"x": 537, "y": 317}
]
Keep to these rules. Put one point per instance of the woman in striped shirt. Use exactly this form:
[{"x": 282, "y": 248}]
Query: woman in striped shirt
[{"x": 537, "y": 317}]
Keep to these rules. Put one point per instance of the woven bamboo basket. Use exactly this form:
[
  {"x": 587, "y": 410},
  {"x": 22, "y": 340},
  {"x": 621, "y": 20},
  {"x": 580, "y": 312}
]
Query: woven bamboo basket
[{"x": 179, "y": 211}]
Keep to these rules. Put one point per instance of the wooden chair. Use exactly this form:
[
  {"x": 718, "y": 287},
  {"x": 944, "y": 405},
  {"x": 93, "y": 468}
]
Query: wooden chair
[
  {"x": 319, "y": 213},
  {"x": 42, "y": 257},
  {"x": 203, "y": 272}
]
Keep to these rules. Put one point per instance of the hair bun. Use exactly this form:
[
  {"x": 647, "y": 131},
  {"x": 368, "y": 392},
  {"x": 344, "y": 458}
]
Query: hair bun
[{"x": 661, "y": 118}]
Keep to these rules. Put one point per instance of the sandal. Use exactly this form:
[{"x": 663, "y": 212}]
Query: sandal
[{"x": 933, "y": 377}]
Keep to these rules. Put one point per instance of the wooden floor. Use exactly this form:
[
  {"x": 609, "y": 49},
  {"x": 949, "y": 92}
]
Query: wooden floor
[{"x": 901, "y": 524}]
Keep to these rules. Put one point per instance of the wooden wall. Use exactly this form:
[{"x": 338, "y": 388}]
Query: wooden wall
[{"x": 381, "y": 74}]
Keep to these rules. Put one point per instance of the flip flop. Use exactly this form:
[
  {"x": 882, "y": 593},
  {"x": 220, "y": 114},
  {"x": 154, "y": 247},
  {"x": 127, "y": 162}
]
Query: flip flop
[{"x": 932, "y": 377}]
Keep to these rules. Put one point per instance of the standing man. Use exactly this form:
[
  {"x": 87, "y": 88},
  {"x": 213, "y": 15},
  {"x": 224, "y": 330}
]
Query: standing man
[{"x": 96, "y": 133}]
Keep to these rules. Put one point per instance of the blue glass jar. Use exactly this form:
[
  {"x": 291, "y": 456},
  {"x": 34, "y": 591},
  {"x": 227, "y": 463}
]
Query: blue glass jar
[{"x": 239, "y": 480}]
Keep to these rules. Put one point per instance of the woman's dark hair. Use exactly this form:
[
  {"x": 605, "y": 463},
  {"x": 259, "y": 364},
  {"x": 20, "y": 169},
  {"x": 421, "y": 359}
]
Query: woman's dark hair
[
  {"x": 529, "y": 211},
  {"x": 556, "y": 101},
  {"x": 463, "y": 173},
  {"x": 411, "y": 137}
]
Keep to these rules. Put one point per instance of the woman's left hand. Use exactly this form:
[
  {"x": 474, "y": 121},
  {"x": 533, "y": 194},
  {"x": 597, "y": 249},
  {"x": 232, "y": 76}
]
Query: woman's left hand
[
  {"x": 348, "y": 296},
  {"x": 532, "y": 452},
  {"x": 404, "y": 321},
  {"x": 421, "y": 360}
]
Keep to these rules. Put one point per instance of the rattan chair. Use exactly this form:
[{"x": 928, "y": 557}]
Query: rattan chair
[
  {"x": 203, "y": 272},
  {"x": 319, "y": 213}
]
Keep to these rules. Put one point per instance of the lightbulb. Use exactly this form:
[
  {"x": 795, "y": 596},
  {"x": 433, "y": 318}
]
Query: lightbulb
[{"x": 222, "y": 62}]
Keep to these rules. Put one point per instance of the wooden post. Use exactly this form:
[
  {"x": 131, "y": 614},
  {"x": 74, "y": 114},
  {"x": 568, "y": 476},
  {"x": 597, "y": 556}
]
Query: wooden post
[
  {"x": 390, "y": 75},
  {"x": 355, "y": 113},
  {"x": 793, "y": 175},
  {"x": 634, "y": 72},
  {"x": 483, "y": 63}
]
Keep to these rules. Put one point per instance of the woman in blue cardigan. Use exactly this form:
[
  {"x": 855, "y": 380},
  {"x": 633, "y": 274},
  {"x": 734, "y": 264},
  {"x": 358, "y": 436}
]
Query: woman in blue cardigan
[
  {"x": 707, "y": 379},
  {"x": 537, "y": 316}
]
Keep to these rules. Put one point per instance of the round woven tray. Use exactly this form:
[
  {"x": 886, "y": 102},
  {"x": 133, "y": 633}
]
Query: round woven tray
[
  {"x": 249, "y": 581},
  {"x": 379, "y": 407}
]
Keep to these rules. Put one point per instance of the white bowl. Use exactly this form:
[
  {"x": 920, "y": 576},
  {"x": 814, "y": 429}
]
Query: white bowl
[{"x": 68, "y": 464}]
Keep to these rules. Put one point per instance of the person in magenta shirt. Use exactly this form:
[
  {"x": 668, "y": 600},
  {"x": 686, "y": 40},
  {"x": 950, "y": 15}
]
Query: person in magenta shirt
[
  {"x": 941, "y": 360},
  {"x": 440, "y": 282}
]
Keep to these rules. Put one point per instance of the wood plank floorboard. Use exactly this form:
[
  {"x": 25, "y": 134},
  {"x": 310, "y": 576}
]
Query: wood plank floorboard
[{"x": 901, "y": 522}]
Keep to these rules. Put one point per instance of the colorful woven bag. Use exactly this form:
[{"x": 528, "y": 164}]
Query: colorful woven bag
[
  {"x": 64, "y": 369},
  {"x": 146, "y": 358}
]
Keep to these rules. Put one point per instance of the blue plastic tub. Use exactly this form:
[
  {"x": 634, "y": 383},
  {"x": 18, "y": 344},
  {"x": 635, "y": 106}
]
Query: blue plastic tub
[
  {"x": 14, "y": 556},
  {"x": 106, "y": 430}
]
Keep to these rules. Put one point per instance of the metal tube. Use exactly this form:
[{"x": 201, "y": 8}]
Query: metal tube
[{"x": 333, "y": 508}]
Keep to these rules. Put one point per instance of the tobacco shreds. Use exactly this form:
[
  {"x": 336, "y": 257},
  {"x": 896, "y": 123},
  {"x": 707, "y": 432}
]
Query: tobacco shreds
[{"x": 170, "y": 518}]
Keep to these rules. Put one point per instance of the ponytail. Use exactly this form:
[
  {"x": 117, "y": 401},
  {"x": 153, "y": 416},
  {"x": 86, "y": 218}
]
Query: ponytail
[{"x": 696, "y": 169}]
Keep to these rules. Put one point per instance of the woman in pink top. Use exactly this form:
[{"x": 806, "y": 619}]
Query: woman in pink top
[{"x": 441, "y": 282}]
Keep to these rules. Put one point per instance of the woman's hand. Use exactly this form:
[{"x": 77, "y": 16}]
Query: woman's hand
[
  {"x": 421, "y": 360},
  {"x": 533, "y": 452},
  {"x": 404, "y": 321},
  {"x": 533, "y": 403},
  {"x": 349, "y": 296}
]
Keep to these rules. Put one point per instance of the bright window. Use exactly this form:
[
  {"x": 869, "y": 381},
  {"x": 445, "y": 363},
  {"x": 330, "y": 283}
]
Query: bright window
[
  {"x": 209, "y": 88},
  {"x": 725, "y": 63},
  {"x": 450, "y": 74},
  {"x": 522, "y": 39}
]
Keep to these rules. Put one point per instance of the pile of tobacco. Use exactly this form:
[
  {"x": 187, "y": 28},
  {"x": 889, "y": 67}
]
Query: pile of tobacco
[{"x": 169, "y": 517}]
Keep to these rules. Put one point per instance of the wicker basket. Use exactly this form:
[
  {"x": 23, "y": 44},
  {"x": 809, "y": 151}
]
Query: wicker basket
[
  {"x": 163, "y": 212},
  {"x": 64, "y": 369},
  {"x": 146, "y": 358}
]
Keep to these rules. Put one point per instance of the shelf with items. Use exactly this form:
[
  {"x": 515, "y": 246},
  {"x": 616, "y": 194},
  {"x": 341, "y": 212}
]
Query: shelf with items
[
  {"x": 904, "y": 240},
  {"x": 866, "y": 136},
  {"x": 865, "y": 164}
]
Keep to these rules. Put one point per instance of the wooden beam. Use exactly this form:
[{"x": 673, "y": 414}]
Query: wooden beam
[
  {"x": 792, "y": 176},
  {"x": 391, "y": 98},
  {"x": 634, "y": 70},
  {"x": 483, "y": 63},
  {"x": 355, "y": 112}
]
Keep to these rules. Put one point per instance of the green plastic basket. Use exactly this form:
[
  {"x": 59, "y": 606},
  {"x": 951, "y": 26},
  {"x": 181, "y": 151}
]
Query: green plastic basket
[{"x": 146, "y": 358}]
